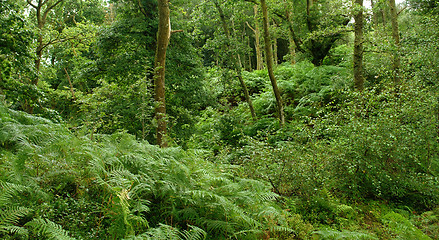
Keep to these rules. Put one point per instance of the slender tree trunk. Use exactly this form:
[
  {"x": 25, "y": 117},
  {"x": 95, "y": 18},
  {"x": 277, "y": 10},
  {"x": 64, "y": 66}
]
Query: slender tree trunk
[
  {"x": 163, "y": 35},
  {"x": 236, "y": 63},
  {"x": 41, "y": 22},
  {"x": 259, "y": 61},
  {"x": 249, "y": 56},
  {"x": 374, "y": 17},
  {"x": 269, "y": 60},
  {"x": 292, "y": 48},
  {"x": 71, "y": 85},
  {"x": 395, "y": 35},
  {"x": 292, "y": 42},
  {"x": 358, "y": 45},
  {"x": 40, "y": 44},
  {"x": 275, "y": 57}
]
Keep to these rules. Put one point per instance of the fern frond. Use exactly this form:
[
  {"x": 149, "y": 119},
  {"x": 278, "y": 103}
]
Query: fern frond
[
  {"x": 195, "y": 233},
  {"x": 49, "y": 229},
  {"x": 14, "y": 230},
  {"x": 163, "y": 232},
  {"x": 10, "y": 191},
  {"x": 219, "y": 226},
  {"x": 332, "y": 234},
  {"x": 281, "y": 229},
  {"x": 12, "y": 215}
]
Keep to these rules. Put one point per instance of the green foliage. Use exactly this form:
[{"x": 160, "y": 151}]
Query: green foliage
[
  {"x": 332, "y": 234},
  {"x": 428, "y": 222},
  {"x": 380, "y": 152},
  {"x": 16, "y": 39},
  {"x": 306, "y": 90},
  {"x": 129, "y": 188},
  {"x": 48, "y": 229},
  {"x": 403, "y": 227}
]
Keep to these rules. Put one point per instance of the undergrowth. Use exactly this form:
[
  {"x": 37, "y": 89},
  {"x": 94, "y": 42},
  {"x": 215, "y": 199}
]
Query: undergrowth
[{"x": 57, "y": 185}]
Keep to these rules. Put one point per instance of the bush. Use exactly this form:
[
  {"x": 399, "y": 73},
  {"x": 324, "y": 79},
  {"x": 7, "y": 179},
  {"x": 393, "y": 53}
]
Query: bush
[{"x": 384, "y": 145}]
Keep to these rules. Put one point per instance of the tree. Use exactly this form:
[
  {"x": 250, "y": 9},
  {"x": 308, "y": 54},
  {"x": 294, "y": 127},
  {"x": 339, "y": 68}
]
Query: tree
[
  {"x": 269, "y": 60},
  {"x": 259, "y": 61},
  {"x": 358, "y": 45},
  {"x": 395, "y": 35},
  {"x": 236, "y": 64},
  {"x": 16, "y": 57},
  {"x": 163, "y": 36},
  {"x": 42, "y": 9},
  {"x": 315, "y": 26}
]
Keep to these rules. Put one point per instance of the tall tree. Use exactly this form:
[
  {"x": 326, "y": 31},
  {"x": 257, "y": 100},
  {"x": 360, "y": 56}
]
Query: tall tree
[
  {"x": 236, "y": 60},
  {"x": 292, "y": 45},
  {"x": 395, "y": 35},
  {"x": 163, "y": 36},
  {"x": 269, "y": 60},
  {"x": 358, "y": 45},
  {"x": 259, "y": 61},
  {"x": 315, "y": 26},
  {"x": 42, "y": 9}
]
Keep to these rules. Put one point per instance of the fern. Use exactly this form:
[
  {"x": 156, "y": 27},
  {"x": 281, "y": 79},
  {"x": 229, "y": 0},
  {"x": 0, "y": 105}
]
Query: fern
[
  {"x": 133, "y": 185},
  {"x": 48, "y": 229},
  {"x": 332, "y": 234},
  {"x": 9, "y": 220},
  {"x": 12, "y": 215}
]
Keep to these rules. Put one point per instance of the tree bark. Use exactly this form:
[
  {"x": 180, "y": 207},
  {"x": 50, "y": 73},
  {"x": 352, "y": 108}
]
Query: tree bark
[
  {"x": 269, "y": 60},
  {"x": 292, "y": 48},
  {"x": 41, "y": 22},
  {"x": 259, "y": 61},
  {"x": 358, "y": 45},
  {"x": 291, "y": 36},
  {"x": 236, "y": 63},
  {"x": 374, "y": 17},
  {"x": 163, "y": 35},
  {"x": 275, "y": 57},
  {"x": 71, "y": 85},
  {"x": 395, "y": 35}
]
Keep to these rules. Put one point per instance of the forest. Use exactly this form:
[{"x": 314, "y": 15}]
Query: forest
[{"x": 219, "y": 119}]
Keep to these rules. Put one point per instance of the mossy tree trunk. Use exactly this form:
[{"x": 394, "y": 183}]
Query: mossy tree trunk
[
  {"x": 41, "y": 15},
  {"x": 269, "y": 61},
  {"x": 236, "y": 61},
  {"x": 395, "y": 35},
  {"x": 163, "y": 35},
  {"x": 358, "y": 45}
]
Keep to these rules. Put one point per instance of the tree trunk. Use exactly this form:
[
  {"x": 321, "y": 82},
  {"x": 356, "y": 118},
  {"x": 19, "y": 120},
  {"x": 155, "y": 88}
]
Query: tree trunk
[
  {"x": 41, "y": 22},
  {"x": 395, "y": 35},
  {"x": 292, "y": 48},
  {"x": 163, "y": 35},
  {"x": 358, "y": 45},
  {"x": 275, "y": 57},
  {"x": 70, "y": 84},
  {"x": 290, "y": 35},
  {"x": 374, "y": 17},
  {"x": 259, "y": 61},
  {"x": 269, "y": 60},
  {"x": 236, "y": 63}
]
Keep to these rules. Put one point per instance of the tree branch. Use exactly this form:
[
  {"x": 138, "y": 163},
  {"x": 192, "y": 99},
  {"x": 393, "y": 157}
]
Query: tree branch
[
  {"x": 30, "y": 3},
  {"x": 252, "y": 1},
  {"x": 248, "y": 24},
  {"x": 142, "y": 9},
  {"x": 400, "y": 11},
  {"x": 50, "y": 8}
]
